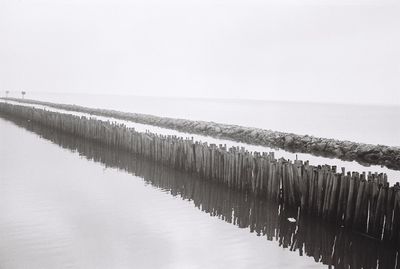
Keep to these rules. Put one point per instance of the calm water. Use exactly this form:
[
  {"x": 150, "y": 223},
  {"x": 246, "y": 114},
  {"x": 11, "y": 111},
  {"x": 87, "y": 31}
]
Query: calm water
[
  {"x": 359, "y": 123},
  {"x": 69, "y": 203}
]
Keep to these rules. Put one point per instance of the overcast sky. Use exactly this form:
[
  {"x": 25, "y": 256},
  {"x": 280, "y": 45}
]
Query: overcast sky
[{"x": 305, "y": 50}]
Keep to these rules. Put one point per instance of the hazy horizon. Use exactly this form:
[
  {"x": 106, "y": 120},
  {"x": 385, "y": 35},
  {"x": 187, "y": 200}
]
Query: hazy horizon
[
  {"x": 306, "y": 51},
  {"x": 17, "y": 94}
]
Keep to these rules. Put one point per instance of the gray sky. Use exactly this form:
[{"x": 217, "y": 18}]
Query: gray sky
[{"x": 335, "y": 51}]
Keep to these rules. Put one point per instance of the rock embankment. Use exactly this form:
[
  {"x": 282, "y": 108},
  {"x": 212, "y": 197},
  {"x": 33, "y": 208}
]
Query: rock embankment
[{"x": 345, "y": 150}]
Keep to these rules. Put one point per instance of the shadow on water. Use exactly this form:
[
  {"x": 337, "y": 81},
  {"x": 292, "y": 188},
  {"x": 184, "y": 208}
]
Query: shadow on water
[{"x": 333, "y": 246}]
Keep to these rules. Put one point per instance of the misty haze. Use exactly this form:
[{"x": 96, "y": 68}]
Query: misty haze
[{"x": 199, "y": 134}]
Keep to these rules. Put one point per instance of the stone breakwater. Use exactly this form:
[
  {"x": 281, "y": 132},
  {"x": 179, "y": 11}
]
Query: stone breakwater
[{"x": 367, "y": 154}]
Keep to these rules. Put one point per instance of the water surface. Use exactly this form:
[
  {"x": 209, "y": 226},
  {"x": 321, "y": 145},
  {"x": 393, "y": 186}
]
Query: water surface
[
  {"x": 67, "y": 202},
  {"x": 59, "y": 210}
]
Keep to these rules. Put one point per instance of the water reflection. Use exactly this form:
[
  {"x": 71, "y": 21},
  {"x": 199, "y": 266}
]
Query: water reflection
[{"x": 326, "y": 243}]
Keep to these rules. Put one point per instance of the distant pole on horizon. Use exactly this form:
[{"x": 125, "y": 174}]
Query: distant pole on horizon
[
  {"x": 23, "y": 94},
  {"x": 7, "y": 92}
]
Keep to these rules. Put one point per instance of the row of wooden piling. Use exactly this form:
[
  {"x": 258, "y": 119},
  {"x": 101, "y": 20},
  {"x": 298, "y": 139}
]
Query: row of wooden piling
[
  {"x": 325, "y": 243},
  {"x": 362, "y": 202}
]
